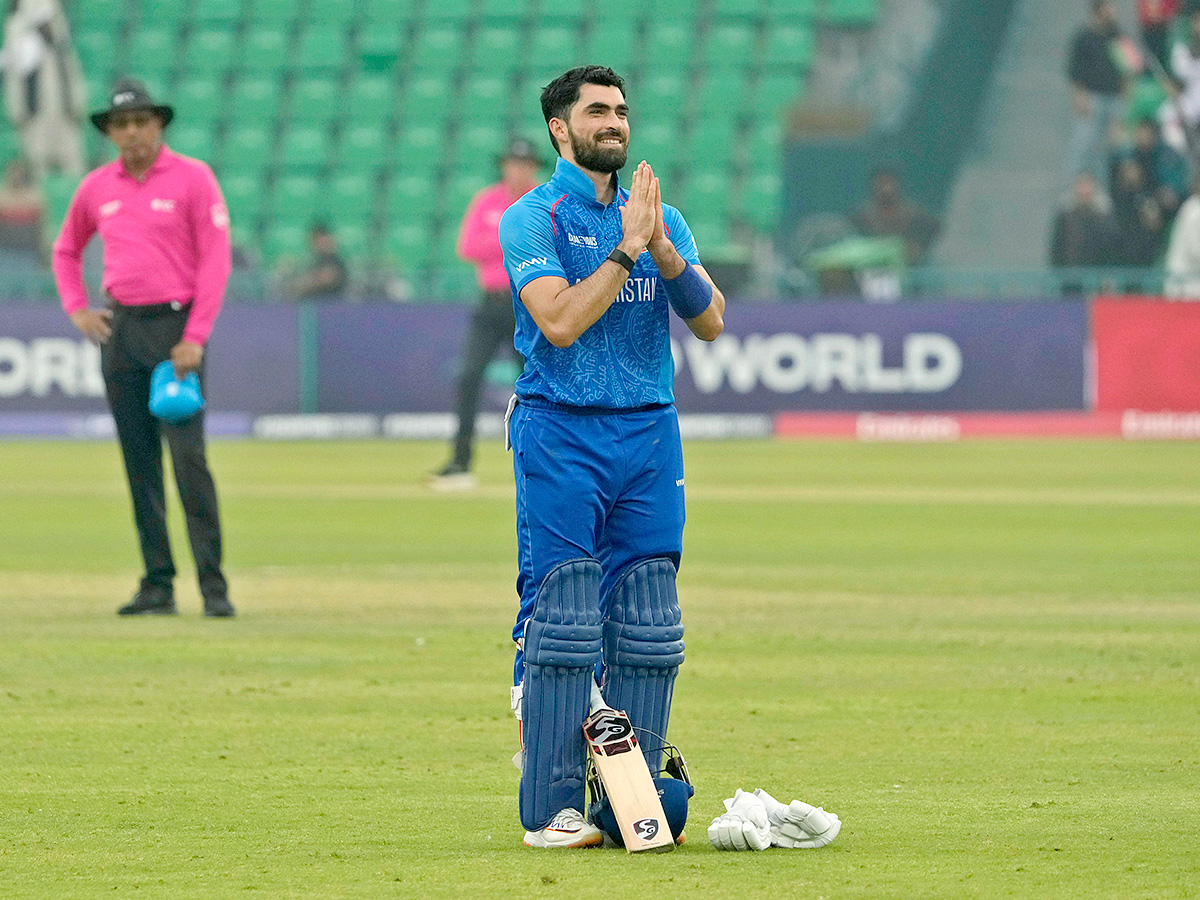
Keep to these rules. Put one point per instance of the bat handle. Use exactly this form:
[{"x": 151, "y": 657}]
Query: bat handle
[{"x": 598, "y": 698}]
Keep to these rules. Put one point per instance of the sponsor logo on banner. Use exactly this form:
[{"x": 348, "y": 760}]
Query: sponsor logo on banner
[
  {"x": 44, "y": 366},
  {"x": 788, "y": 363}
]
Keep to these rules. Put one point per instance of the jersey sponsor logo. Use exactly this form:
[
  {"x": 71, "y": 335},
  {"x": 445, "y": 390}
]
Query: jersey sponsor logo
[
  {"x": 582, "y": 240},
  {"x": 109, "y": 208},
  {"x": 160, "y": 205},
  {"x": 220, "y": 216},
  {"x": 532, "y": 261},
  {"x": 787, "y": 363}
]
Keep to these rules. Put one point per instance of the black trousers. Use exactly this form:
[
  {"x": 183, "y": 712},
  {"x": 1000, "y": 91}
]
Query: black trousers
[
  {"x": 140, "y": 340},
  {"x": 492, "y": 327}
]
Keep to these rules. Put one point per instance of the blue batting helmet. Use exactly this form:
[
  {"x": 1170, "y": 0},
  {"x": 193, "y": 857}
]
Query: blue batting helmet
[{"x": 673, "y": 782}]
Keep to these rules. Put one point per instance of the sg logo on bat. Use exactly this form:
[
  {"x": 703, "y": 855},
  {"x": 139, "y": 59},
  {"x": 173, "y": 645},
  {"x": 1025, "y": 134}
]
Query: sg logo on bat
[{"x": 646, "y": 829}]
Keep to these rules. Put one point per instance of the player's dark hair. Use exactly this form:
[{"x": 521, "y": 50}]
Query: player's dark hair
[{"x": 563, "y": 92}]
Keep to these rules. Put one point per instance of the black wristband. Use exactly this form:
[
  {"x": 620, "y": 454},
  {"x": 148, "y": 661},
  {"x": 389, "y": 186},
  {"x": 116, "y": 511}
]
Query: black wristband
[{"x": 621, "y": 258}]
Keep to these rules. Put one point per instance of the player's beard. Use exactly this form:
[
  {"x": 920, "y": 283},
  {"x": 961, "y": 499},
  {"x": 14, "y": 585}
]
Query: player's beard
[{"x": 590, "y": 154}]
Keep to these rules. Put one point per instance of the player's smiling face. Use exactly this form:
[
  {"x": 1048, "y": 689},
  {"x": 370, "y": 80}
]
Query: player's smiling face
[{"x": 598, "y": 128}]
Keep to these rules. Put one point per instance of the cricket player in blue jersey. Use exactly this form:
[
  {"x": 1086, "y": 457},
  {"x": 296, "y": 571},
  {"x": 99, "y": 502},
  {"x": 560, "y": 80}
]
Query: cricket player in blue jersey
[{"x": 595, "y": 271}]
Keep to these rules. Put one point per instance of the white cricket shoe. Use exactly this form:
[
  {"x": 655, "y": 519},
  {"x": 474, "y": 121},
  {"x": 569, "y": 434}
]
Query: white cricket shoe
[{"x": 567, "y": 829}]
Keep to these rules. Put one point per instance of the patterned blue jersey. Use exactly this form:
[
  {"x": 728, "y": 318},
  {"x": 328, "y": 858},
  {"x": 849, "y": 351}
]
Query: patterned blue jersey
[{"x": 624, "y": 359}]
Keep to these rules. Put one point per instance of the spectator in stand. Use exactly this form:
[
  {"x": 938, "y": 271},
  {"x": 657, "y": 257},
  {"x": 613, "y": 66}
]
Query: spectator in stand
[
  {"x": 1084, "y": 231},
  {"x": 889, "y": 213},
  {"x": 1156, "y": 18},
  {"x": 1185, "y": 66},
  {"x": 1165, "y": 169},
  {"x": 326, "y": 277},
  {"x": 1097, "y": 81},
  {"x": 494, "y": 322},
  {"x": 21, "y": 207},
  {"x": 1139, "y": 218},
  {"x": 44, "y": 90},
  {"x": 1183, "y": 251}
]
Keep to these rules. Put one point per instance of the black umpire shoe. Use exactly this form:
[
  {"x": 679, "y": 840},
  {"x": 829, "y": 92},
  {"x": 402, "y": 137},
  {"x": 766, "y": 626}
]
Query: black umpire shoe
[
  {"x": 150, "y": 601},
  {"x": 218, "y": 608}
]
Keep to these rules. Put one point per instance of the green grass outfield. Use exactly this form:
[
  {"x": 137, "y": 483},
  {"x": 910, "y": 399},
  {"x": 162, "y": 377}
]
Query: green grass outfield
[{"x": 985, "y": 657}]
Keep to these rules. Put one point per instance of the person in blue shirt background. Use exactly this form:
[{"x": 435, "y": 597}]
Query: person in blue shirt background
[{"x": 595, "y": 271}]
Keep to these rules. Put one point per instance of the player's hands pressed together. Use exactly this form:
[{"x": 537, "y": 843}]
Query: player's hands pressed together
[
  {"x": 186, "y": 357},
  {"x": 663, "y": 252},
  {"x": 638, "y": 214},
  {"x": 94, "y": 323}
]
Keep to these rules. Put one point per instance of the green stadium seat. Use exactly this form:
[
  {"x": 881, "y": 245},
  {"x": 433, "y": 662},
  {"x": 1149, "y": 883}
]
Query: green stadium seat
[
  {"x": 371, "y": 98},
  {"x": 255, "y": 100},
  {"x": 165, "y": 13},
  {"x": 789, "y": 46},
  {"x": 264, "y": 49},
  {"x": 304, "y": 148},
  {"x": 275, "y": 13},
  {"x": 286, "y": 240},
  {"x": 225, "y": 13},
  {"x": 380, "y": 45},
  {"x": 497, "y": 49},
  {"x": 315, "y": 101},
  {"x": 724, "y": 10},
  {"x": 720, "y": 94},
  {"x": 762, "y": 148},
  {"x": 437, "y": 48},
  {"x": 243, "y": 195},
  {"x": 210, "y": 50},
  {"x": 151, "y": 53},
  {"x": 711, "y": 232},
  {"x": 668, "y": 44},
  {"x": 105, "y": 14},
  {"x": 485, "y": 98},
  {"x": 792, "y": 10},
  {"x": 656, "y": 142},
  {"x": 407, "y": 244},
  {"x": 706, "y": 194},
  {"x": 340, "y": 13},
  {"x": 387, "y": 10},
  {"x": 710, "y": 141},
  {"x": 97, "y": 50},
  {"x": 353, "y": 239},
  {"x": 730, "y": 44},
  {"x": 199, "y": 99},
  {"x": 555, "y": 46},
  {"x": 247, "y": 147},
  {"x": 509, "y": 12},
  {"x": 609, "y": 43},
  {"x": 409, "y": 195},
  {"x": 421, "y": 145},
  {"x": 567, "y": 12},
  {"x": 527, "y": 103},
  {"x": 851, "y": 13},
  {"x": 658, "y": 97},
  {"x": 477, "y": 147},
  {"x": 296, "y": 198},
  {"x": 760, "y": 202},
  {"x": 364, "y": 148},
  {"x": 350, "y": 198},
  {"x": 672, "y": 10},
  {"x": 192, "y": 140},
  {"x": 459, "y": 192},
  {"x": 456, "y": 11},
  {"x": 321, "y": 48},
  {"x": 426, "y": 98},
  {"x": 775, "y": 92}
]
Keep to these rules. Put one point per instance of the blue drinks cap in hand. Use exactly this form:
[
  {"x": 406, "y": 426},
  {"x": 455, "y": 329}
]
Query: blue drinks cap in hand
[{"x": 173, "y": 399}]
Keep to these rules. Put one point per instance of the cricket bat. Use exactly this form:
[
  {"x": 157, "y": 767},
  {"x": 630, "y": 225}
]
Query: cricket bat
[{"x": 626, "y": 778}]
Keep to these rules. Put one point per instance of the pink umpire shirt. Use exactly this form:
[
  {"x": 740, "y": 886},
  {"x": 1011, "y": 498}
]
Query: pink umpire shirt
[
  {"x": 166, "y": 238},
  {"x": 479, "y": 235}
]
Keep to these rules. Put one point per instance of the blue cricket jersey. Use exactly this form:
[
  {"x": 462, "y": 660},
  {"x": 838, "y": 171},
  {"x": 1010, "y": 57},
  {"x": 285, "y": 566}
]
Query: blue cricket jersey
[{"x": 624, "y": 359}]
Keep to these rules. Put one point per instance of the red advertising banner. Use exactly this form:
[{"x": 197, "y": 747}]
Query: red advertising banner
[{"x": 1147, "y": 354}]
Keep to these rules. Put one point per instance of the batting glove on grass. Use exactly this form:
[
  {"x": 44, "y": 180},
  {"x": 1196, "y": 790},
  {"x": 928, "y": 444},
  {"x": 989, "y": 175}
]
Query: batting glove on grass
[
  {"x": 743, "y": 827},
  {"x": 798, "y": 825}
]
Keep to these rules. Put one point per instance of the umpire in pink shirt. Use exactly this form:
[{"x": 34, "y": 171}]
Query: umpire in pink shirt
[
  {"x": 165, "y": 229},
  {"x": 493, "y": 322}
]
